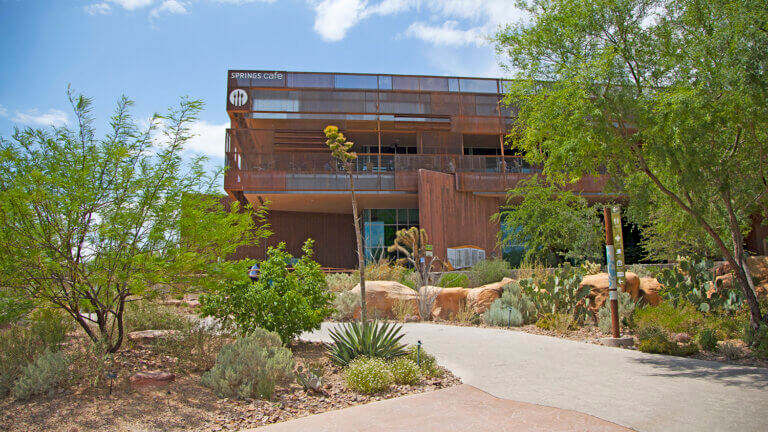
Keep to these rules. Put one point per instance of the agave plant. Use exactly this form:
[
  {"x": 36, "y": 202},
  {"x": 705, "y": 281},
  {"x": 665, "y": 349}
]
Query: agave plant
[{"x": 370, "y": 339}]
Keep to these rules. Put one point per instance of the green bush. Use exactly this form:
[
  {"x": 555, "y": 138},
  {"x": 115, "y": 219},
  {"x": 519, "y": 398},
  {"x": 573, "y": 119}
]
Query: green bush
[
  {"x": 13, "y": 307},
  {"x": 368, "y": 375},
  {"x": 730, "y": 351},
  {"x": 251, "y": 366},
  {"x": 557, "y": 322},
  {"x": 147, "y": 315},
  {"x": 345, "y": 304},
  {"x": 283, "y": 301},
  {"x": 41, "y": 376},
  {"x": 488, "y": 271},
  {"x": 689, "y": 282},
  {"x": 514, "y": 296},
  {"x": 758, "y": 340},
  {"x": 50, "y": 326},
  {"x": 340, "y": 282},
  {"x": 426, "y": 362},
  {"x": 450, "y": 280},
  {"x": 500, "y": 315},
  {"x": 384, "y": 270},
  {"x": 655, "y": 340},
  {"x": 404, "y": 371},
  {"x": 681, "y": 319},
  {"x": 707, "y": 339},
  {"x": 626, "y": 309},
  {"x": 369, "y": 339}
]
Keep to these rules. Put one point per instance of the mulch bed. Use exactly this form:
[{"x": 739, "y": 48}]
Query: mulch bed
[{"x": 185, "y": 404}]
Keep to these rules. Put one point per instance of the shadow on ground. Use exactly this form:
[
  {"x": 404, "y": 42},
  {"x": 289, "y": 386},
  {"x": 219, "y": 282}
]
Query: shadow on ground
[{"x": 727, "y": 374}]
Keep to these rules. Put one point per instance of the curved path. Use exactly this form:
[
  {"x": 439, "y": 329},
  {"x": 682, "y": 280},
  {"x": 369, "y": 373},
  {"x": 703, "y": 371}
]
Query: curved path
[{"x": 645, "y": 392}]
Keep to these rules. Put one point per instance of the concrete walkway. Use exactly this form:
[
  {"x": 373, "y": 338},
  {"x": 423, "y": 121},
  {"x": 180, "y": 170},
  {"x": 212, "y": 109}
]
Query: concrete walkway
[
  {"x": 459, "y": 409},
  {"x": 645, "y": 392}
]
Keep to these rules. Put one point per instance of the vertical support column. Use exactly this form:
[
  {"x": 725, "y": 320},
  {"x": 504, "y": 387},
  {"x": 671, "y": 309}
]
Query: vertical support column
[{"x": 610, "y": 255}]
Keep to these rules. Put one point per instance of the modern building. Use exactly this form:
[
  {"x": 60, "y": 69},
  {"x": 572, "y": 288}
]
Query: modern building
[{"x": 430, "y": 154}]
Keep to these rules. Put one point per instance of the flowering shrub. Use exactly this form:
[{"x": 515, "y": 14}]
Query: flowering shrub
[
  {"x": 368, "y": 375},
  {"x": 404, "y": 371}
]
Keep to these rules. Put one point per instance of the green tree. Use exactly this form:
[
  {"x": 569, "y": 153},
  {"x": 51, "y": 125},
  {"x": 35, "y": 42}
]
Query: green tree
[
  {"x": 340, "y": 149},
  {"x": 283, "y": 301},
  {"x": 667, "y": 95},
  {"x": 552, "y": 223},
  {"x": 88, "y": 222}
]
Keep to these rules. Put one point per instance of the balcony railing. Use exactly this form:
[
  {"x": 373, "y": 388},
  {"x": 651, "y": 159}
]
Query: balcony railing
[{"x": 378, "y": 163}]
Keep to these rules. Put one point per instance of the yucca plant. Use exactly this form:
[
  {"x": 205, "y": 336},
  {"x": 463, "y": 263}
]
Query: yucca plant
[{"x": 370, "y": 339}]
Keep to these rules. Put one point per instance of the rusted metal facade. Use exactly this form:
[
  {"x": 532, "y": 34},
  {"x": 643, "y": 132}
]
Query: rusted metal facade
[{"x": 430, "y": 143}]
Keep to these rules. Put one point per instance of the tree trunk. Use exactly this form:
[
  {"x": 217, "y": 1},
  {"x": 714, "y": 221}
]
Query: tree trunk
[{"x": 359, "y": 238}]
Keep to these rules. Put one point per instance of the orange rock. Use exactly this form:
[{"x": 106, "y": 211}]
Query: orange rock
[
  {"x": 450, "y": 300},
  {"x": 599, "y": 292},
  {"x": 142, "y": 379},
  {"x": 649, "y": 289},
  {"x": 758, "y": 268},
  {"x": 380, "y": 297},
  {"x": 480, "y": 298}
]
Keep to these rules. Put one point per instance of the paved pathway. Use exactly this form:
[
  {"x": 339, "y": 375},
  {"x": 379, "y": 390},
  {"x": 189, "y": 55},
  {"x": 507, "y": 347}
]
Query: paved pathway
[
  {"x": 645, "y": 392},
  {"x": 457, "y": 409}
]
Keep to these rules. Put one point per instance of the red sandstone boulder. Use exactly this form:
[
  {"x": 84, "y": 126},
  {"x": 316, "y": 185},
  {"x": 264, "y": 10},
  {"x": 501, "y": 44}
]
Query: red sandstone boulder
[
  {"x": 146, "y": 379},
  {"x": 645, "y": 289},
  {"x": 480, "y": 298},
  {"x": 449, "y": 301},
  {"x": 758, "y": 268},
  {"x": 380, "y": 297}
]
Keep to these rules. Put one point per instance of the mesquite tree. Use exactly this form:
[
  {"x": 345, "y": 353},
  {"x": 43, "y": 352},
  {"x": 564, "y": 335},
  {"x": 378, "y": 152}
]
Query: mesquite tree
[
  {"x": 668, "y": 97},
  {"x": 88, "y": 224},
  {"x": 340, "y": 147}
]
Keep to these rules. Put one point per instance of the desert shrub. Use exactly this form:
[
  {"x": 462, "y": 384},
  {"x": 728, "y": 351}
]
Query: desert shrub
[
  {"x": 368, "y": 375},
  {"x": 50, "y": 327},
  {"x": 559, "y": 293},
  {"x": 148, "y": 315},
  {"x": 17, "y": 346},
  {"x": 426, "y": 362},
  {"x": 411, "y": 279},
  {"x": 340, "y": 282},
  {"x": 557, "y": 322},
  {"x": 643, "y": 270},
  {"x": 488, "y": 271},
  {"x": 501, "y": 315},
  {"x": 514, "y": 296},
  {"x": 384, "y": 270},
  {"x": 626, "y": 309},
  {"x": 707, "y": 339},
  {"x": 402, "y": 308},
  {"x": 730, "y": 351},
  {"x": 689, "y": 282},
  {"x": 251, "y": 366},
  {"x": 728, "y": 326},
  {"x": 465, "y": 313},
  {"x": 534, "y": 270},
  {"x": 345, "y": 304},
  {"x": 451, "y": 280},
  {"x": 758, "y": 340},
  {"x": 591, "y": 268},
  {"x": 367, "y": 339},
  {"x": 283, "y": 301},
  {"x": 91, "y": 362},
  {"x": 404, "y": 371},
  {"x": 683, "y": 318},
  {"x": 655, "y": 339},
  {"x": 41, "y": 376},
  {"x": 426, "y": 298},
  {"x": 195, "y": 347}
]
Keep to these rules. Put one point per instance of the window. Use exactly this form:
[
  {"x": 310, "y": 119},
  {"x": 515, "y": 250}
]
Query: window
[
  {"x": 385, "y": 82},
  {"x": 433, "y": 84},
  {"x": 405, "y": 83},
  {"x": 356, "y": 82},
  {"x": 310, "y": 80},
  {"x": 478, "y": 85},
  {"x": 380, "y": 227},
  {"x": 269, "y": 100}
]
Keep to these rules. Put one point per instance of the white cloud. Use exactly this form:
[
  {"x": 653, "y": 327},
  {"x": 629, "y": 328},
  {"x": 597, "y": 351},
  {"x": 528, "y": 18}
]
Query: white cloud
[
  {"x": 98, "y": 9},
  {"x": 447, "y": 34},
  {"x": 3, "y": 111},
  {"x": 169, "y": 7},
  {"x": 335, "y": 17},
  {"x": 244, "y": 1},
  {"x": 208, "y": 138},
  {"x": 34, "y": 117},
  {"x": 132, "y": 4}
]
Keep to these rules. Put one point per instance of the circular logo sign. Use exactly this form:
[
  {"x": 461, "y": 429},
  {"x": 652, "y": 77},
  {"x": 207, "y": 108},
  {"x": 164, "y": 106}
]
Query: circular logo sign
[{"x": 238, "y": 97}]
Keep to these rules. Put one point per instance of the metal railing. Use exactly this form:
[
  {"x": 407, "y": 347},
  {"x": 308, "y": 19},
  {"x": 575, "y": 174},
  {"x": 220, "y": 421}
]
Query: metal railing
[{"x": 377, "y": 163}]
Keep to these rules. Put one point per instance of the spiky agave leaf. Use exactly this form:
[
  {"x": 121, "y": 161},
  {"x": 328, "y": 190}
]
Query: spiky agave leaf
[{"x": 370, "y": 339}]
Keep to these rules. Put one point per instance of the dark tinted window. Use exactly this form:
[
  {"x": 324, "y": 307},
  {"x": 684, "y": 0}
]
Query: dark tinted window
[
  {"x": 405, "y": 83},
  {"x": 434, "y": 84},
  {"x": 356, "y": 82},
  {"x": 478, "y": 86},
  {"x": 453, "y": 84},
  {"x": 310, "y": 80}
]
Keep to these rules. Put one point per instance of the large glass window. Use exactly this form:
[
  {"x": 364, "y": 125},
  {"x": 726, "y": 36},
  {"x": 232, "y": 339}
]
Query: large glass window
[
  {"x": 478, "y": 85},
  {"x": 380, "y": 227},
  {"x": 405, "y": 83},
  {"x": 310, "y": 80},
  {"x": 385, "y": 82},
  {"x": 356, "y": 82},
  {"x": 433, "y": 84},
  {"x": 269, "y": 100}
]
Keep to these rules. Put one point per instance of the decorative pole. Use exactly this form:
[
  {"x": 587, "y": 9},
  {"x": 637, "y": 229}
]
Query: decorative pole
[{"x": 610, "y": 254}]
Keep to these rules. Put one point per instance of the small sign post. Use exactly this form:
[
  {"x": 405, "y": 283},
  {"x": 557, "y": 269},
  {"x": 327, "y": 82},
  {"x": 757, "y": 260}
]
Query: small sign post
[{"x": 610, "y": 255}]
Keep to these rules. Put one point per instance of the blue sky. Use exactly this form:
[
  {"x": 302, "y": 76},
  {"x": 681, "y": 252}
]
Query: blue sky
[{"x": 155, "y": 51}]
